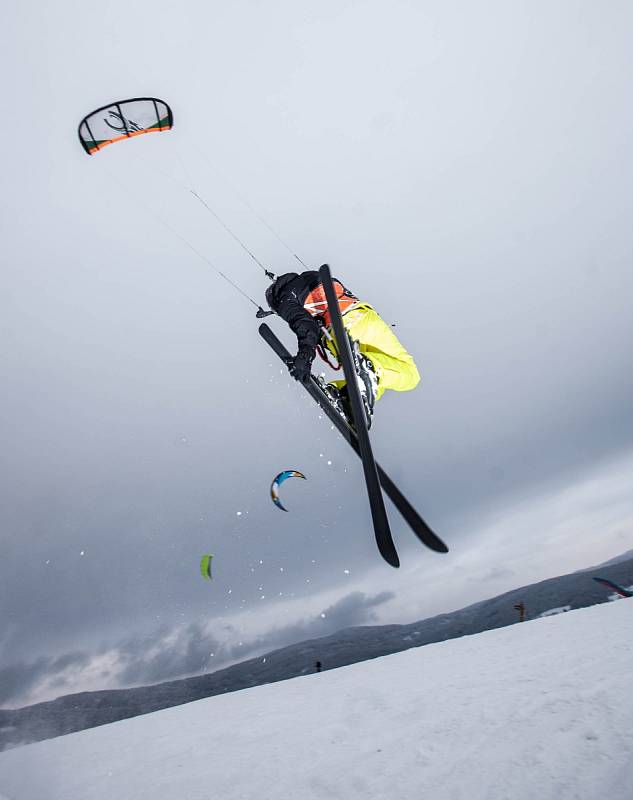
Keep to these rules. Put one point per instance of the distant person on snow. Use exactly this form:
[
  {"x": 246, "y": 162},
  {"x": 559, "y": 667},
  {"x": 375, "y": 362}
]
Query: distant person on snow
[{"x": 382, "y": 361}]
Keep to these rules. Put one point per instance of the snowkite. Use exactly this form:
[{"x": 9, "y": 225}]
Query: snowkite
[
  {"x": 615, "y": 586},
  {"x": 123, "y": 119},
  {"x": 274, "y": 486},
  {"x": 205, "y": 566}
]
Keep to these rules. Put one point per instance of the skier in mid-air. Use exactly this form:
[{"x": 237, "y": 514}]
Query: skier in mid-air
[{"x": 381, "y": 361}]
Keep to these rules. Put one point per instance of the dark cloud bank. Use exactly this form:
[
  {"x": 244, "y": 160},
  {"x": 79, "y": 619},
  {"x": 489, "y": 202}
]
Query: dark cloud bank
[{"x": 170, "y": 653}]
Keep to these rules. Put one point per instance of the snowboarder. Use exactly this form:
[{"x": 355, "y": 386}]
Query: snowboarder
[{"x": 382, "y": 362}]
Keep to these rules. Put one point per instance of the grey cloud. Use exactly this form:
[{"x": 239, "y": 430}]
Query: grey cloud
[
  {"x": 171, "y": 652},
  {"x": 17, "y": 680},
  {"x": 498, "y": 573},
  {"x": 354, "y": 609},
  {"x": 186, "y": 652}
]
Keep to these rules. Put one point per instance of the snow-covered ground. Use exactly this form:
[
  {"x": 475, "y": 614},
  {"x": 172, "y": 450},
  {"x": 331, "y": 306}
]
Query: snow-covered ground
[{"x": 538, "y": 710}]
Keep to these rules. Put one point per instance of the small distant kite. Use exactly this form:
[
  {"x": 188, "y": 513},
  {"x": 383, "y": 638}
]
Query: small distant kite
[
  {"x": 615, "y": 586},
  {"x": 205, "y": 566},
  {"x": 122, "y": 120},
  {"x": 274, "y": 486}
]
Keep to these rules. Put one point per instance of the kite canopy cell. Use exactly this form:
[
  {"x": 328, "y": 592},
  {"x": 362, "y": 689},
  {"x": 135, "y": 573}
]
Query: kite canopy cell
[{"x": 122, "y": 120}]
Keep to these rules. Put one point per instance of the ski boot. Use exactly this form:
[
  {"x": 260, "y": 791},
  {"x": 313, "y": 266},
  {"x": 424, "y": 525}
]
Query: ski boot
[
  {"x": 367, "y": 380},
  {"x": 336, "y": 398}
]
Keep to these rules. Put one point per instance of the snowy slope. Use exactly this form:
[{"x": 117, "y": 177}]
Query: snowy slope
[{"x": 540, "y": 710}]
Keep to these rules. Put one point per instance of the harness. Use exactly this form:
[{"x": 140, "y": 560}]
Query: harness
[
  {"x": 316, "y": 302},
  {"x": 316, "y": 305},
  {"x": 327, "y": 345}
]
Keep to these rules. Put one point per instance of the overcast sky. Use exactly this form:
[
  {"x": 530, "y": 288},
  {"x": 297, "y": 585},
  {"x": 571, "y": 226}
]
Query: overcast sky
[{"x": 464, "y": 167}]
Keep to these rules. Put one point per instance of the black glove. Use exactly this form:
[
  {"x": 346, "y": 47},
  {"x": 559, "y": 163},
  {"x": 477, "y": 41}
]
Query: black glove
[{"x": 301, "y": 364}]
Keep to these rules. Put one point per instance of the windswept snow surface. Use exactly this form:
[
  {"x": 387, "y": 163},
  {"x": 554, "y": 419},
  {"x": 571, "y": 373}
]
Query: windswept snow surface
[{"x": 538, "y": 710}]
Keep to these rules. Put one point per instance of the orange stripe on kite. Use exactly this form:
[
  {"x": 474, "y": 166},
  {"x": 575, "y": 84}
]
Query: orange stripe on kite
[{"x": 106, "y": 142}]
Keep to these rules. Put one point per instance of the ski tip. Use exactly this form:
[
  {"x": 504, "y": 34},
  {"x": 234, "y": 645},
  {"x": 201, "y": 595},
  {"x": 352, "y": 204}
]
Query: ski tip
[
  {"x": 429, "y": 538},
  {"x": 391, "y": 557}
]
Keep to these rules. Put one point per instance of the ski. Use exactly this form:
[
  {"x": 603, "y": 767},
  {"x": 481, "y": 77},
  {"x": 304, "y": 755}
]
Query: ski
[
  {"x": 384, "y": 540},
  {"x": 411, "y": 516}
]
